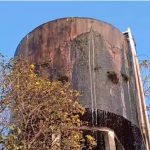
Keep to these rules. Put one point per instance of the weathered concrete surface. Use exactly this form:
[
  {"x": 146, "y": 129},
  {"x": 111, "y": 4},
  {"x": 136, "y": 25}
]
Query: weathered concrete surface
[{"x": 95, "y": 57}]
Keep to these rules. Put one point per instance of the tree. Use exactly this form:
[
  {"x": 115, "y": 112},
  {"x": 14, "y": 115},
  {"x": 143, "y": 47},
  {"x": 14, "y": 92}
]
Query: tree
[
  {"x": 40, "y": 114},
  {"x": 145, "y": 72}
]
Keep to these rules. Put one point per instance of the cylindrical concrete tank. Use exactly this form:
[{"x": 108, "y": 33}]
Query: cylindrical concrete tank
[{"x": 95, "y": 57}]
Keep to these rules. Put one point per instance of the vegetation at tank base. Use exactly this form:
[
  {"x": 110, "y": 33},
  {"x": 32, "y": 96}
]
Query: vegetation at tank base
[
  {"x": 112, "y": 76},
  {"x": 36, "y": 113}
]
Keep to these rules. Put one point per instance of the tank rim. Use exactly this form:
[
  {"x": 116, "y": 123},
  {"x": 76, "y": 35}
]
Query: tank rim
[{"x": 59, "y": 19}]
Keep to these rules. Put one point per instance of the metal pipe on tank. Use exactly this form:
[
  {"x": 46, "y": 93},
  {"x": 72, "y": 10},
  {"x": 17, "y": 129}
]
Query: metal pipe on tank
[{"x": 140, "y": 92}]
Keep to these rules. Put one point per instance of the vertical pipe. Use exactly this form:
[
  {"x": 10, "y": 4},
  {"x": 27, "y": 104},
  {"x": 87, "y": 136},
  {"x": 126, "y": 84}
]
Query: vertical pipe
[
  {"x": 90, "y": 74},
  {"x": 141, "y": 97},
  {"x": 94, "y": 76}
]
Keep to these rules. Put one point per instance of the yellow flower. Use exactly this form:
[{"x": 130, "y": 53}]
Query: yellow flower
[
  {"x": 77, "y": 137},
  {"x": 32, "y": 66},
  {"x": 89, "y": 138},
  {"x": 32, "y": 75},
  {"x": 62, "y": 92},
  {"x": 37, "y": 83}
]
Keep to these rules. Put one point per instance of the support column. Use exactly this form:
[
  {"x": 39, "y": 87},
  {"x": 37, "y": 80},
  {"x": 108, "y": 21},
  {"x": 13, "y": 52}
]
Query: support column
[{"x": 110, "y": 140}]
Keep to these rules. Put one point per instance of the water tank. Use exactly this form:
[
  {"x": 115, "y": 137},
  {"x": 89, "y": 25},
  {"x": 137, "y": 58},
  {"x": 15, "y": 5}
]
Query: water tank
[{"x": 95, "y": 57}]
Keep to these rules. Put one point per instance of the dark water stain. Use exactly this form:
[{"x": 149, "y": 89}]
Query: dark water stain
[{"x": 128, "y": 134}]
